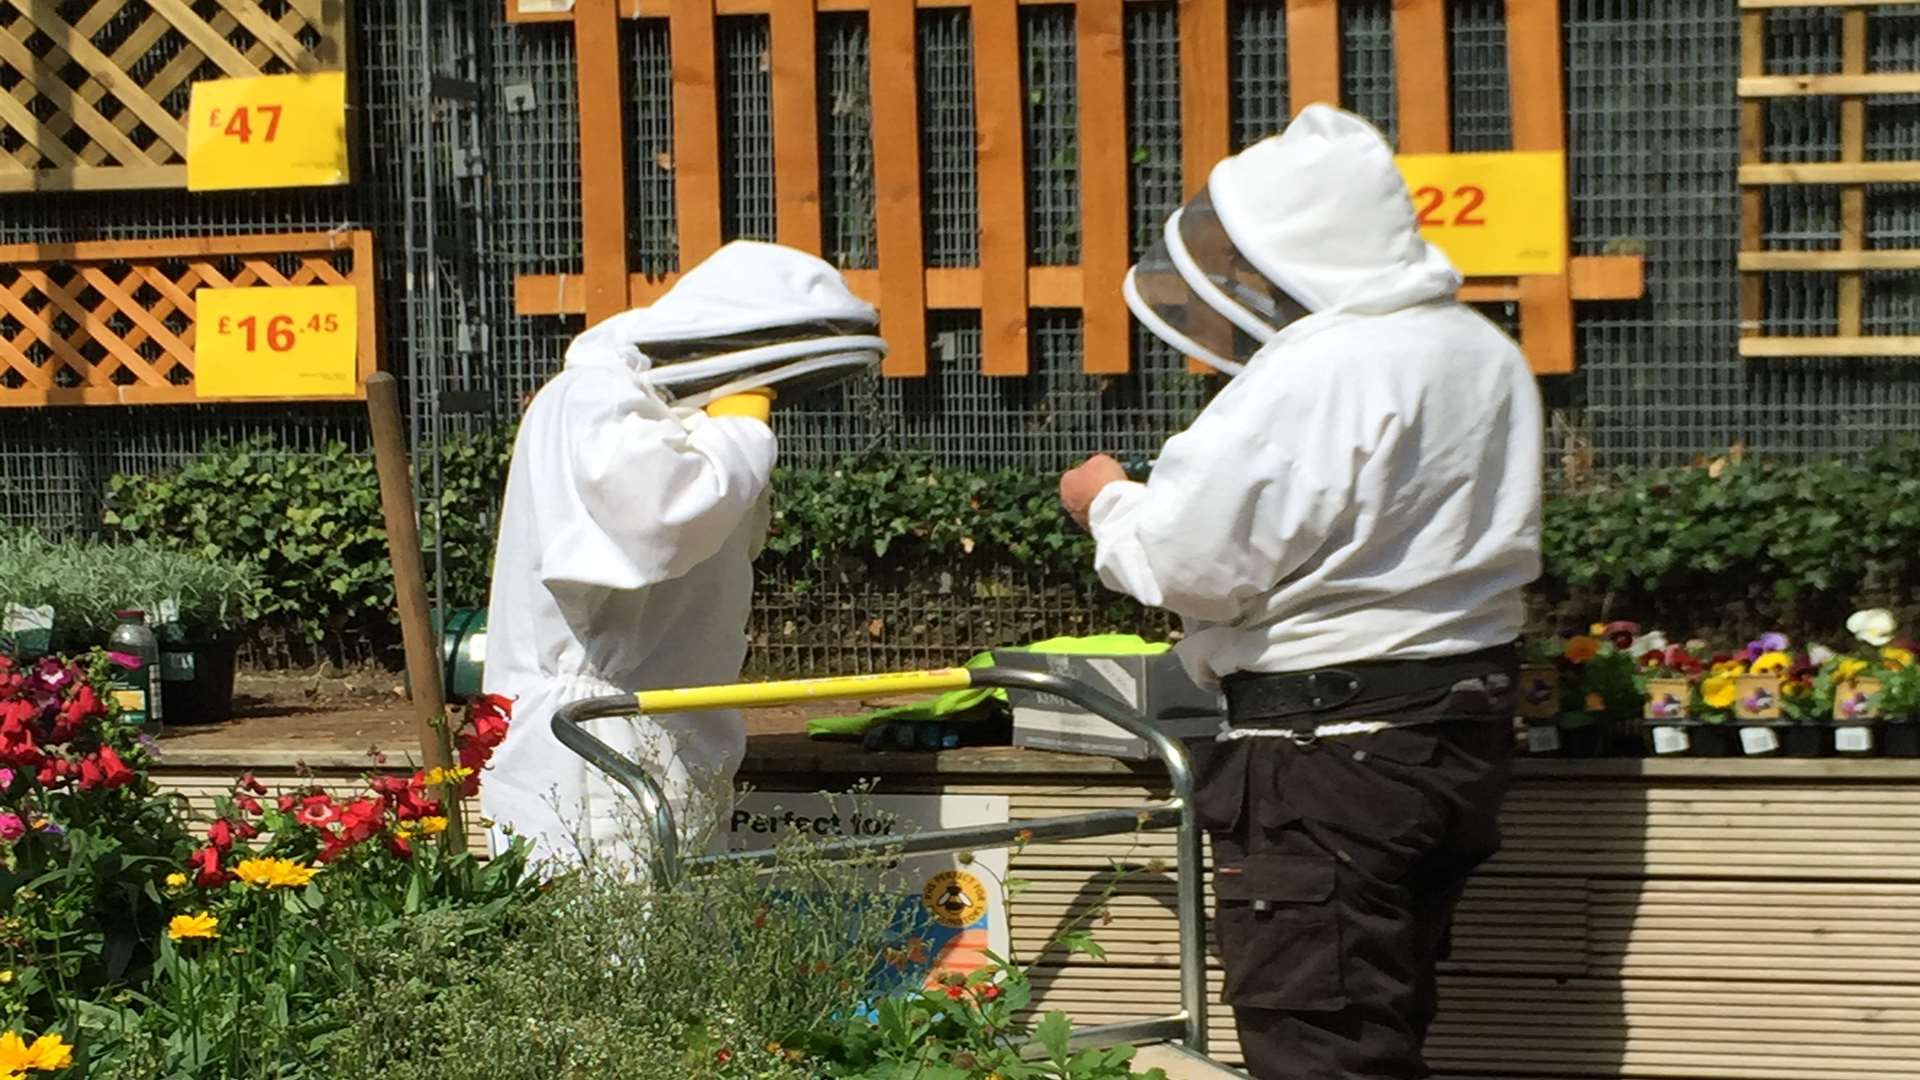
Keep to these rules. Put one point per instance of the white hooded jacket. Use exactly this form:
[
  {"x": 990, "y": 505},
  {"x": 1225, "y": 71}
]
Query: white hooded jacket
[
  {"x": 1369, "y": 488},
  {"x": 624, "y": 559}
]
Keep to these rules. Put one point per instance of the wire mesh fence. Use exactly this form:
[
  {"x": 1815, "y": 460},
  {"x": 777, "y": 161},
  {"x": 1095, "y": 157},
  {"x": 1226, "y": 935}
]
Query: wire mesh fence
[{"x": 1653, "y": 147}]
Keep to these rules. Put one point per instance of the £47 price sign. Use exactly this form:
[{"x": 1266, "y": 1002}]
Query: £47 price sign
[
  {"x": 268, "y": 131},
  {"x": 282, "y": 341},
  {"x": 239, "y": 123},
  {"x": 1495, "y": 215}
]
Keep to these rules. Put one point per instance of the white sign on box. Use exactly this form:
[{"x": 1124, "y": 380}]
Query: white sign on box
[{"x": 957, "y": 909}]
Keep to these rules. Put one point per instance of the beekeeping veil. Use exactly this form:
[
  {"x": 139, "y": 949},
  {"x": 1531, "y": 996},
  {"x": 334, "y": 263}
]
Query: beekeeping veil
[
  {"x": 751, "y": 315},
  {"x": 1314, "y": 219}
]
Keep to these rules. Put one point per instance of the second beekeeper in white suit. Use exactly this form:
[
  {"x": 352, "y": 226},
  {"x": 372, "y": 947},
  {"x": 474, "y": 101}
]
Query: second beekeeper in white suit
[{"x": 635, "y": 504}]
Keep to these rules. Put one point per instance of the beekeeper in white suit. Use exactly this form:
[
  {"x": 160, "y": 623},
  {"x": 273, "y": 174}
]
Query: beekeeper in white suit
[
  {"x": 1346, "y": 531},
  {"x": 631, "y": 519}
]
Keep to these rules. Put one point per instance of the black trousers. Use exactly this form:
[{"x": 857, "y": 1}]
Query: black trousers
[{"x": 1337, "y": 869}]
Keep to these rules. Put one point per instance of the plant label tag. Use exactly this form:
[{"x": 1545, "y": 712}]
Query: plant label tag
[
  {"x": 1539, "y": 693},
  {"x": 1759, "y": 697},
  {"x": 1759, "y": 740},
  {"x": 1670, "y": 740},
  {"x": 1853, "y": 740},
  {"x": 1542, "y": 738},
  {"x": 1667, "y": 699}
]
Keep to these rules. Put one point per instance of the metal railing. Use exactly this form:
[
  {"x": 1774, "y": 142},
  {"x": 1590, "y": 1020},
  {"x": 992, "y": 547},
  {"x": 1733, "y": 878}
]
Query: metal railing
[{"x": 1188, "y": 1027}]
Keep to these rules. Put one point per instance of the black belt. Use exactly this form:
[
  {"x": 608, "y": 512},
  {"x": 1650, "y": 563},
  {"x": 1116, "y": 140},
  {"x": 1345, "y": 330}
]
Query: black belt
[{"x": 1369, "y": 688}]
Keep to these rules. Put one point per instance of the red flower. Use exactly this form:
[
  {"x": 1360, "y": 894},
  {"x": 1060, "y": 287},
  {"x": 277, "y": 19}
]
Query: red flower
[
  {"x": 989, "y": 992},
  {"x": 289, "y": 803},
  {"x": 248, "y": 783},
  {"x": 219, "y": 834},
  {"x": 17, "y": 745},
  {"x": 248, "y": 830},
  {"x": 248, "y": 805},
  {"x": 116, "y": 770},
  {"x": 73, "y": 715},
  {"x": 722, "y": 1055},
  {"x": 92, "y": 774},
  {"x": 400, "y": 846},
  {"x": 206, "y": 865},
  {"x": 315, "y": 811},
  {"x": 956, "y": 993},
  {"x": 361, "y": 820}
]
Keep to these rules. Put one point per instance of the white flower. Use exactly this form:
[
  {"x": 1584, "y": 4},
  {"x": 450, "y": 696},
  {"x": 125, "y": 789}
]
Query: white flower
[
  {"x": 1875, "y": 626},
  {"x": 1820, "y": 655},
  {"x": 1652, "y": 641}
]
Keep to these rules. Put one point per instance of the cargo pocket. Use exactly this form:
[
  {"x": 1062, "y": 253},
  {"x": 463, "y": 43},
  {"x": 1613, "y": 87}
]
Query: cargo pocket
[
  {"x": 1279, "y": 935},
  {"x": 1219, "y": 783}
]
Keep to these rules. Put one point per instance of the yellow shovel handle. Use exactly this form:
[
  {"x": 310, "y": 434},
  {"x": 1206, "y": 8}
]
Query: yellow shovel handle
[{"x": 786, "y": 692}]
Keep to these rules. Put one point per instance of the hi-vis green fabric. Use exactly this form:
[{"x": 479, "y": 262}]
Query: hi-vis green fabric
[{"x": 970, "y": 705}]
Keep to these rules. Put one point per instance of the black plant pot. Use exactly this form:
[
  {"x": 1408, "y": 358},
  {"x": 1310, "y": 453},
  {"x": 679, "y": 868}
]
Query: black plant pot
[
  {"x": 1714, "y": 740},
  {"x": 1806, "y": 741},
  {"x": 1902, "y": 739},
  {"x": 196, "y": 680}
]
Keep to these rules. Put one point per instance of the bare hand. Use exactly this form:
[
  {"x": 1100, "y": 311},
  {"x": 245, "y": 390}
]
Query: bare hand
[{"x": 1080, "y": 485}]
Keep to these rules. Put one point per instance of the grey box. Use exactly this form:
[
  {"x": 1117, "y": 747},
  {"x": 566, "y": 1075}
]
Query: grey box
[{"x": 1156, "y": 686}]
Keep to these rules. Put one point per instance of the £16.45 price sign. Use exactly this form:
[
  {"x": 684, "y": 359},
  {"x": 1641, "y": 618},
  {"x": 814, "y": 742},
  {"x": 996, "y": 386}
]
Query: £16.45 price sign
[
  {"x": 295, "y": 341},
  {"x": 1495, "y": 215},
  {"x": 268, "y": 131}
]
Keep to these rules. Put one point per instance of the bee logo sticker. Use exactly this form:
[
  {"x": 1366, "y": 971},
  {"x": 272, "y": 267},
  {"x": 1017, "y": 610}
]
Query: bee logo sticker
[{"x": 955, "y": 898}]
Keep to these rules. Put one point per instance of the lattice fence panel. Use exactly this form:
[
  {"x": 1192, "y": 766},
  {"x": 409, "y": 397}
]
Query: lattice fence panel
[
  {"x": 94, "y": 95},
  {"x": 112, "y": 322}
]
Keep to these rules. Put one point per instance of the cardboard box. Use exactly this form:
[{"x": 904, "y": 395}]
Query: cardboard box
[{"x": 1157, "y": 688}]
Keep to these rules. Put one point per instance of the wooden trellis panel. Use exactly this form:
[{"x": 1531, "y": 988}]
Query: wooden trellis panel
[
  {"x": 113, "y": 322},
  {"x": 1852, "y": 172},
  {"x": 94, "y": 95},
  {"x": 1004, "y": 288}
]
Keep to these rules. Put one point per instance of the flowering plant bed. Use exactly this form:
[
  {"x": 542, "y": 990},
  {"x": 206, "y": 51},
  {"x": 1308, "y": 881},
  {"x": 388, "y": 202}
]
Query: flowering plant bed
[{"x": 309, "y": 933}]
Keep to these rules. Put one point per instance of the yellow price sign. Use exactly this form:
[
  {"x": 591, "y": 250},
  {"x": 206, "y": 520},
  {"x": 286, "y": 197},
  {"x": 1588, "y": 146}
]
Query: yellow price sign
[
  {"x": 294, "y": 341},
  {"x": 268, "y": 131},
  {"x": 1495, "y": 215}
]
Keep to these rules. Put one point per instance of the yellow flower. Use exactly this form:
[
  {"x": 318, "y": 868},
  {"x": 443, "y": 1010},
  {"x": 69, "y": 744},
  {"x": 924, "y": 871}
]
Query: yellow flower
[
  {"x": 1896, "y": 657},
  {"x": 1730, "y": 668},
  {"x": 1796, "y": 688},
  {"x": 1848, "y": 669},
  {"x": 183, "y": 927},
  {"x": 176, "y": 881},
  {"x": 1595, "y": 702},
  {"x": 437, "y": 777},
  {"x": 1598, "y": 629},
  {"x": 1718, "y": 691},
  {"x": 1773, "y": 663},
  {"x": 47, "y": 1054},
  {"x": 1581, "y": 649},
  {"x": 6, "y": 977},
  {"x": 433, "y": 826},
  {"x": 273, "y": 873}
]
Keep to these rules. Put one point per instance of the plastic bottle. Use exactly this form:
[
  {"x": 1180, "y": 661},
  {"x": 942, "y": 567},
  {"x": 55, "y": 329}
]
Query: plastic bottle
[{"x": 136, "y": 689}]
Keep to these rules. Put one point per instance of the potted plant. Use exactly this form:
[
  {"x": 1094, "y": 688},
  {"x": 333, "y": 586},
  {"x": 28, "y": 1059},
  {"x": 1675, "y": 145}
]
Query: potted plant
[
  {"x": 1672, "y": 688},
  {"x": 1875, "y": 698},
  {"x": 61, "y": 595}
]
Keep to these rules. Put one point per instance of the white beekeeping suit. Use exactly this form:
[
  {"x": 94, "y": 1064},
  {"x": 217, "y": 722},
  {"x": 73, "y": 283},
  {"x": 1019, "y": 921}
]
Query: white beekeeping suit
[
  {"x": 1368, "y": 485},
  {"x": 626, "y": 539}
]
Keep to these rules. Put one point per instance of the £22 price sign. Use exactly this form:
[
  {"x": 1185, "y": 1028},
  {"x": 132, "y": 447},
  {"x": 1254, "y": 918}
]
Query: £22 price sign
[
  {"x": 1495, "y": 215},
  {"x": 268, "y": 131},
  {"x": 296, "y": 341}
]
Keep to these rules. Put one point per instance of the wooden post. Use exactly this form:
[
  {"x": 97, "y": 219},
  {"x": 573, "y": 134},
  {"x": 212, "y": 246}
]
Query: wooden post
[
  {"x": 894, "y": 54},
  {"x": 1106, "y": 229},
  {"x": 796, "y": 125},
  {"x": 1000, "y": 119},
  {"x": 1851, "y": 303},
  {"x": 696, "y": 130},
  {"x": 1540, "y": 123},
  {"x": 1313, "y": 53},
  {"x": 1206, "y": 133},
  {"x": 603, "y": 157},
  {"x": 410, "y": 588}
]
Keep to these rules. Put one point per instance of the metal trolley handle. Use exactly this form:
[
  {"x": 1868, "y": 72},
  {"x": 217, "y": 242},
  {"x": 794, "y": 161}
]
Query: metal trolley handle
[{"x": 1188, "y": 1027}]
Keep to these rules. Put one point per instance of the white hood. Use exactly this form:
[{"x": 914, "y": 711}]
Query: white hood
[
  {"x": 743, "y": 287},
  {"x": 1322, "y": 211}
]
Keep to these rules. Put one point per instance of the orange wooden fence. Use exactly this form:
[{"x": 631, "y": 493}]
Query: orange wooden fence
[
  {"x": 904, "y": 287},
  {"x": 113, "y": 322}
]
